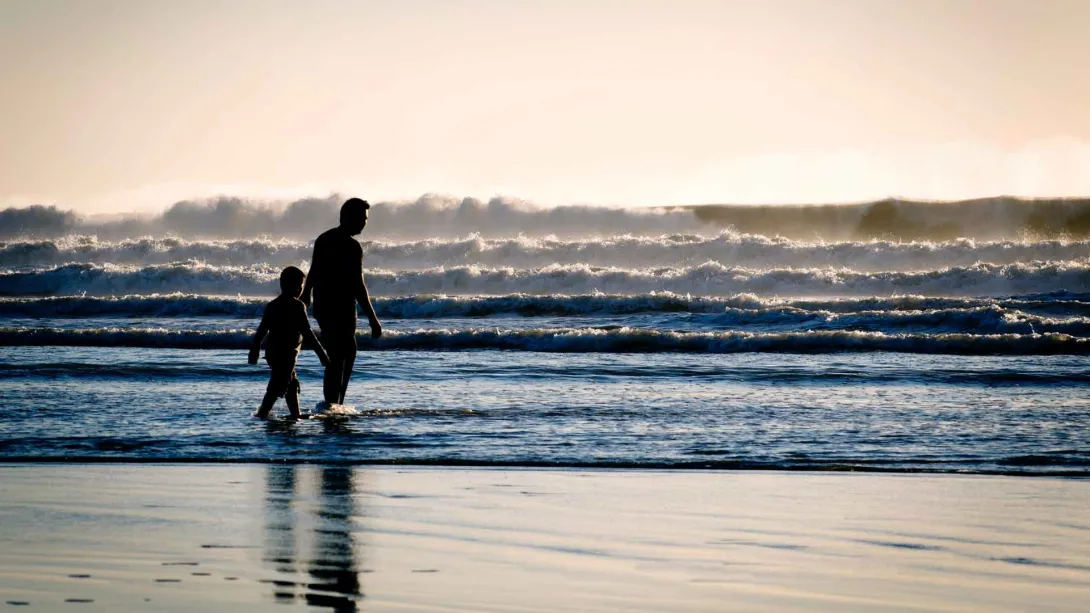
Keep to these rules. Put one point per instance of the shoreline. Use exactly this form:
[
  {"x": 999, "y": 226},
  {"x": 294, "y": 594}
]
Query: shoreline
[{"x": 724, "y": 467}]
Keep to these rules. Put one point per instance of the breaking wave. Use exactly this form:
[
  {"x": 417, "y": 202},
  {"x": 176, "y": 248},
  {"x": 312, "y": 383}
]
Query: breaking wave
[
  {"x": 527, "y": 252},
  {"x": 580, "y": 340},
  {"x": 112, "y": 279},
  {"x": 1059, "y": 313},
  {"x": 146, "y": 251},
  {"x": 707, "y": 279}
]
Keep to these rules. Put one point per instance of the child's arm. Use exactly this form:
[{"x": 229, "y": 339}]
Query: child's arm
[
  {"x": 308, "y": 336},
  {"x": 308, "y": 285},
  {"x": 303, "y": 323},
  {"x": 255, "y": 347}
]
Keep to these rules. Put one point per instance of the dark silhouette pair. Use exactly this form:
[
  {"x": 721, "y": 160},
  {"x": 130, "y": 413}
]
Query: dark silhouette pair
[{"x": 335, "y": 285}]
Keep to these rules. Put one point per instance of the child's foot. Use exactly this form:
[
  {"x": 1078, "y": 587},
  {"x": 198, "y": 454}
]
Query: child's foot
[
  {"x": 321, "y": 407},
  {"x": 259, "y": 415}
]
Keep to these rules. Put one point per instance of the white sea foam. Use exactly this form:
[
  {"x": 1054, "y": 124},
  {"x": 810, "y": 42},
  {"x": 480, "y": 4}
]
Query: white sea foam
[
  {"x": 112, "y": 279},
  {"x": 80, "y": 249}
]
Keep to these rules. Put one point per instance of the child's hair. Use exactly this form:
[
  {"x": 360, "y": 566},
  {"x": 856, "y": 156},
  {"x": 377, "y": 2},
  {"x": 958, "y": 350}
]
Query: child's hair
[{"x": 291, "y": 278}]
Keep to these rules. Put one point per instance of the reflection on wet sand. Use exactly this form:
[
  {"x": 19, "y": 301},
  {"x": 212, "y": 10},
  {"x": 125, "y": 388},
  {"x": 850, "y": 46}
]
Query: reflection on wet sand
[{"x": 333, "y": 571}]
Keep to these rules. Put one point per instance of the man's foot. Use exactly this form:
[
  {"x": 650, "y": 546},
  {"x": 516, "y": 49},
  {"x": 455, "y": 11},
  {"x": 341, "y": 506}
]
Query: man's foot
[{"x": 321, "y": 407}]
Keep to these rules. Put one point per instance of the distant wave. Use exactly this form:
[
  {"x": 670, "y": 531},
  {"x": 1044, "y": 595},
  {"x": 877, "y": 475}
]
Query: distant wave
[
  {"x": 708, "y": 279},
  {"x": 980, "y": 320},
  {"x": 527, "y": 252},
  {"x": 579, "y": 340},
  {"x": 444, "y": 216},
  {"x": 428, "y": 216},
  {"x": 1060, "y": 313}
]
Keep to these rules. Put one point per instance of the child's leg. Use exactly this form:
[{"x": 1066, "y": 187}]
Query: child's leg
[
  {"x": 279, "y": 381},
  {"x": 266, "y": 404},
  {"x": 291, "y": 397}
]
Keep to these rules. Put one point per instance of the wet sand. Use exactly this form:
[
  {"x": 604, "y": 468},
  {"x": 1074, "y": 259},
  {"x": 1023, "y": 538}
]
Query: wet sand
[{"x": 244, "y": 537}]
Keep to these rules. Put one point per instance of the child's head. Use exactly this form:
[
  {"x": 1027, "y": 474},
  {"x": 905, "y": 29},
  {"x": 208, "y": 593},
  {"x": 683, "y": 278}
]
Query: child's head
[{"x": 291, "y": 281}]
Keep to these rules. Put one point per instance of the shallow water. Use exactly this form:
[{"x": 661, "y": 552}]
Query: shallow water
[
  {"x": 727, "y": 351},
  {"x": 885, "y": 411}
]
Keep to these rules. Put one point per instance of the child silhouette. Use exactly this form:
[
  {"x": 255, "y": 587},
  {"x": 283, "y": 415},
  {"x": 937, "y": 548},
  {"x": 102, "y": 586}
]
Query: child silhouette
[{"x": 286, "y": 324}]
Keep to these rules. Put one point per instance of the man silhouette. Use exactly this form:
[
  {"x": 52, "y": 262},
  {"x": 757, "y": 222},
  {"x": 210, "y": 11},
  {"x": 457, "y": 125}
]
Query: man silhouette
[{"x": 336, "y": 283}]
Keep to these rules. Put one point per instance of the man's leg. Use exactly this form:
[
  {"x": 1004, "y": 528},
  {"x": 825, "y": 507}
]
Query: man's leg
[
  {"x": 331, "y": 382},
  {"x": 348, "y": 363},
  {"x": 339, "y": 341},
  {"x": 333, "y": 368}
]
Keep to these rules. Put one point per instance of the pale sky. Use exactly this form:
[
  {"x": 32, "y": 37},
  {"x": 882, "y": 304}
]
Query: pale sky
[{"x": 119, "y": 104}]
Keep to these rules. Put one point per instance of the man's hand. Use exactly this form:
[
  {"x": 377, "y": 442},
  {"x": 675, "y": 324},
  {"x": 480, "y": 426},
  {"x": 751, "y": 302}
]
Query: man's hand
[
  {"x": 376, "y": 329},
  {"x": 254, "y": 351}
]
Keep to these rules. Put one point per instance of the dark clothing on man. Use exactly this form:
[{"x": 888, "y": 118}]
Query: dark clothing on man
[
  {"x": 339, "y": 340},
  {"x": 335, "y": 278},
  {"x": 336, "y": 282}
]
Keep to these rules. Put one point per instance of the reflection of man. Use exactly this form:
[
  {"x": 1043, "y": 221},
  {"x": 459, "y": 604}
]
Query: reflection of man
[
  {"x": 334, "y": 567},
  {"x": 336, "y": 281}
]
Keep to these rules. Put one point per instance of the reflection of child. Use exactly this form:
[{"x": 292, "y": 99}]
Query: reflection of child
[{"x": 285, "y": 322}]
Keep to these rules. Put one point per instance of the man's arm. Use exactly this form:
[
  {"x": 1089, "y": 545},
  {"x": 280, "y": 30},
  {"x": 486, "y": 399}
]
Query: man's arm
[
  {"x": 255, "y": 347},
  {"x": 308, "y": 286},
  {"x": 364, "y": 300},
  {"x": 368, "y": 309}
]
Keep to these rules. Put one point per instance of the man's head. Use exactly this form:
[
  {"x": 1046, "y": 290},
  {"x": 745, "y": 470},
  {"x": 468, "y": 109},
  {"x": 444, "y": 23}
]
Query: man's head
[
  {"x": 354, "y": 215},
  {"x": 291, "y": 281}
]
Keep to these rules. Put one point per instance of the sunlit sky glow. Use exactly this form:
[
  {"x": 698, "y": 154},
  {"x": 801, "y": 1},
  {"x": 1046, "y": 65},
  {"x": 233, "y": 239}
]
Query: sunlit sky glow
[{"x": 111, "y": 105}]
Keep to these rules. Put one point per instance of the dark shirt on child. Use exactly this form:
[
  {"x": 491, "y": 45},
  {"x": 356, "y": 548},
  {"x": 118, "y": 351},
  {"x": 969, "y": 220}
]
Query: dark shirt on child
[
  {"x": 285, "y": 323},
  {"x": 286, "y": 320}
]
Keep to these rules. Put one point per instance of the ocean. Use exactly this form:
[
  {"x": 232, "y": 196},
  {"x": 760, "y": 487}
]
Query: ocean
[{"x": 643, "y": 341}]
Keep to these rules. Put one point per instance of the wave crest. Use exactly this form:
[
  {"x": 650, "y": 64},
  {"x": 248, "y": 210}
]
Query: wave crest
[
  {"x": 529, "y": 252},
  {"x": 586, "y": 340},
  {"x": 1061, "y": 313},
  {"x": 707, "y": 279}
]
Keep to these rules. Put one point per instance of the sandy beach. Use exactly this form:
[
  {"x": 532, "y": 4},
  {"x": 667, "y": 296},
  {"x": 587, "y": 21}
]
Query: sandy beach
[{"x": 241, "y": 537}]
